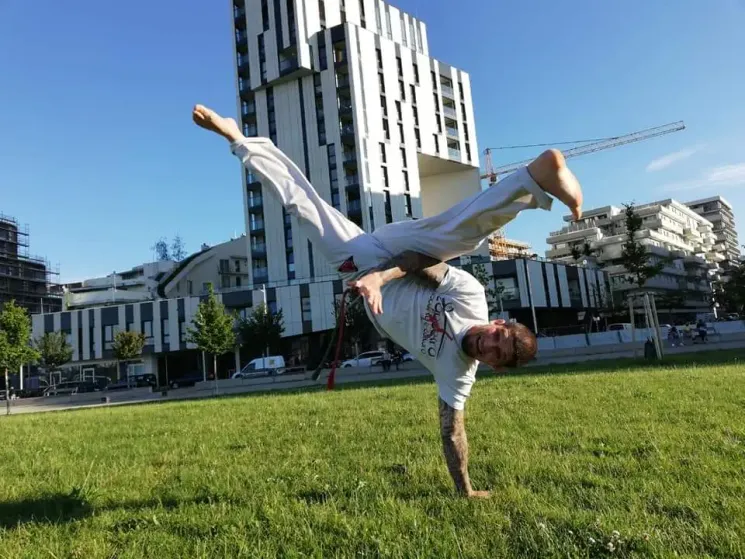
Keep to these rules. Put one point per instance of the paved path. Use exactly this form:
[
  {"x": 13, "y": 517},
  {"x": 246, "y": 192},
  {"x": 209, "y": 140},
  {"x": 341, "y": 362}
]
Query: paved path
[{"x": 299, "y": 381}]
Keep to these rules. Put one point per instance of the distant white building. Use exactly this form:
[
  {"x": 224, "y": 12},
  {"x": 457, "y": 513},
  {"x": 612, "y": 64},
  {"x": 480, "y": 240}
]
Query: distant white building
[
  {"x": 719, "y": 212},
  {"x": 670, "y": 230}
]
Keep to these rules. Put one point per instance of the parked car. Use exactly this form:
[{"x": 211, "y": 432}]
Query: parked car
[
  {"x": 189, "y": 379},
  {"x": 262, "y": 366},
  {"x": 407, "y": 357},
  {"x": 366, "y": 359}
]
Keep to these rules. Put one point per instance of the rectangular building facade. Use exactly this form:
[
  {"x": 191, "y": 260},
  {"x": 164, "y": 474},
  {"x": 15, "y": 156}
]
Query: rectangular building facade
[
  {"x": 348, "y": 90},
  {"x": 719, "y": 212}
]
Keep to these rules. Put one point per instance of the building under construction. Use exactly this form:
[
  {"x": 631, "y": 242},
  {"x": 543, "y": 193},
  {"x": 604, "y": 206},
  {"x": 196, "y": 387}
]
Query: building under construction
[
  {"x": 27, "y": 280},
  {"x": 502, "y": 248}
]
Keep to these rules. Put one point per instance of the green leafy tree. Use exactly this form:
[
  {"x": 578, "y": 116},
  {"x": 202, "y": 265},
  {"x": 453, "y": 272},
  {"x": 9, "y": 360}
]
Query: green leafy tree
[
  {"x": 635, "y": 257},
  {"x": 730, "y": 294},
  {"x": 15, "y": 341},
  {"x": 262, "y": 331},
  {"x": 493, "y": 290},
  {"x": 214, "y": 328},
  {"x": 54, "y": 351},
  {"x": 127, "y": 346}
]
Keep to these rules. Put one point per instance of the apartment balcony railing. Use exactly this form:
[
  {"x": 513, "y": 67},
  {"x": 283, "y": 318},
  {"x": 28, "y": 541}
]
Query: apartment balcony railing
[
  {"x": 255, "y": 202},
  {"x": 349, "y": 156},
  {"x": 451, "y": 132},
  {"x": 354, "y": 206},
  {"x": 351, "y": 180},
  {"x": 447, "y": 90},
  {"x": 454, "y": 153},
  {"x": 347, "y": 130},
  {"x": 256, "y": 226},
  {"x": 449, "y": 111}
]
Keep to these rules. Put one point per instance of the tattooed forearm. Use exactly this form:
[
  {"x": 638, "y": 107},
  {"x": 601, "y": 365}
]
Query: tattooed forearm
[
  {"x": 429, "y": 270},
  {"x": 455, "y": 446}
]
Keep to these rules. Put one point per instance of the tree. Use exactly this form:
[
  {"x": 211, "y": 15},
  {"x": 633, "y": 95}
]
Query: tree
[
  {"x": 670, "y": 300},
  {"x": 586, "y": 251},
  {"x": 54, "y": 351},
  {"x": 731, "y": 294},
  {"x": 161, "y": 250},
  {"x": 213, "y": 330},
  {"x": 357, "y": 325},
  {"x": 493, "y": 291},
  {"x": 15, "y": 342},
  {"x": 262, "y": 331},
  {"x": 178, "y": 249},
  {"x": 635, "y": 256},
  {"x": 127, "y": 346}
]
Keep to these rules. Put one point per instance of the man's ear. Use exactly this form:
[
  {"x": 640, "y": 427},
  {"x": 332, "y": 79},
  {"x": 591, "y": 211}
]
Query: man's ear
[{"x": 499, "y": 321}]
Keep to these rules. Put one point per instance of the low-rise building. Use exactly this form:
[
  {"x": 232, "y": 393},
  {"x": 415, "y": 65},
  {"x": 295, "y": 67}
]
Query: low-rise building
[{"x": 673, "y": 233}]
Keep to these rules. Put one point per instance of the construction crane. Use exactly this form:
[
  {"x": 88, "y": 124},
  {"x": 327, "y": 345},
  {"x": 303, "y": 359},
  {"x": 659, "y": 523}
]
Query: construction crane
[
  {"x": 499, "y": 246},
  {"x": 493, "y": 173}
]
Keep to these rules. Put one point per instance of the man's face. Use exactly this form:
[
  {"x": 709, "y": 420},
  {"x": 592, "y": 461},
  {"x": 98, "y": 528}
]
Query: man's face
[{"x": 491, "y": 344}]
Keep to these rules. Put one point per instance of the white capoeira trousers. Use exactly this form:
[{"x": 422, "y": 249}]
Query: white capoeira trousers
[{"x": 452, "y": 233}]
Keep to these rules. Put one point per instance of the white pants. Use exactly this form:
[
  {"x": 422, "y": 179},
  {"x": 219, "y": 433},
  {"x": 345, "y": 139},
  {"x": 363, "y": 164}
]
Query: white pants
[{"x": 454, "y": 232}]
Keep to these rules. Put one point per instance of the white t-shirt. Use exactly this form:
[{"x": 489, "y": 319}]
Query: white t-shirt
[{"x": 431, "y": 324}]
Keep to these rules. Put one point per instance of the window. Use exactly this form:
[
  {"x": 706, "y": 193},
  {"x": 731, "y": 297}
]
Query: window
[
  {"x": 460, "y": 90},
  {"x": 362, "y": 12},
  {"x": 413, "y": 94},
  {"x": 416, "y": 73},
  {"x": 383, "y": 105},
  {"x": 403, "y": 156},
  {"x": 386, "y": 129},
  {"x": 164, "y": 331},
  {"x": 465, "y": 132},
  {"x": 305, "y": 306},
  {"x": 418, "y": 138},
  {"x": 382, "y": 153},
  {"x": 265, "y": 14},
  {"x": 411, "y": 32},
  {"x": 404, "y": 41},
  {"x": 407, "y": 200},
  {"x": 437, "y": 143},
  {"x": 108, "y": 337},
  {"x": 381, "y": 83},
  {"x": 388, "y": 212},
  {"x": 385, "y": 176},
  {"x": 262, "y": 58},
  {"x": 147, "y": 330},
  {"x": 398, "y": 110},
  {"x": 224, "y": 282},
  {"x": 238, "y": 281},
  {"x": 379, "y": 56},
  {"x": 323, "y": 58},
  {"x": 406, "y": 180},
  {"x": 402, "y": 90},
  {"x": 189, "y": 287},
  {"x": 388, "y": 28},
  {"x": 468, "y": 151},
  {"x": 322, "y": 13},
  {"x": 206, "y": 284},
  {"x": 272, "y": 306},
  {"x": 401, "y": 132},
  {"x": 400, "y": 66},
  {"x": 420, "y": 45},
  {"x": 237, "y": 266},
  {"x": 182, "y": 332},
  {"x": 415, "y": 111},
  {"x": 377, "y": 18}
]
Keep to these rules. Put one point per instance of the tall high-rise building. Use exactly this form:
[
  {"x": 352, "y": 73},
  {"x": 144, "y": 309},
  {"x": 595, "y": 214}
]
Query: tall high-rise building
[
  {"x": 27, "y": 280},
  {"x": 348, "y": 90},
  {"x": 719, "y": 212}
]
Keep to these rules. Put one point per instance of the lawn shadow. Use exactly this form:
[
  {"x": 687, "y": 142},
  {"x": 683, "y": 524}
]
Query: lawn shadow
[{"x": 58, "y": 508}]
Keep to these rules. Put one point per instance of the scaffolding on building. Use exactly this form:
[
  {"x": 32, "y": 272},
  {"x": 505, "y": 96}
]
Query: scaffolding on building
[
  {"x": 502, "y": 248},
  {"x": 28, "y": 280}
]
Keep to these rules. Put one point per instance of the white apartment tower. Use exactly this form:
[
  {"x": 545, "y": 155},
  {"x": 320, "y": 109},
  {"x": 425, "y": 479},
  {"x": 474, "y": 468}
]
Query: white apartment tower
[
  {"x": 348, "y": 90},
  {"x": 719, "y": 212}
]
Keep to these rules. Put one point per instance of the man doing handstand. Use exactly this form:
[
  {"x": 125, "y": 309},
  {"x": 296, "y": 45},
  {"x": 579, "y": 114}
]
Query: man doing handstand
[{"x": 441, "y": 314}]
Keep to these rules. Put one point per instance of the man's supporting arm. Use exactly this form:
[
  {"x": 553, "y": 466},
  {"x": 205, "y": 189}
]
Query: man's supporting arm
[
  {"x": 455, "y": 447},
  {"x": 429, "y": 270}
]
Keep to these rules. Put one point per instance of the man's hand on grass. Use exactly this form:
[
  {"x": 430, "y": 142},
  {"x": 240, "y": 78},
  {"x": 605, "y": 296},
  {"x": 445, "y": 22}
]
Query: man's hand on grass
[{"x": 369, "y": 287}]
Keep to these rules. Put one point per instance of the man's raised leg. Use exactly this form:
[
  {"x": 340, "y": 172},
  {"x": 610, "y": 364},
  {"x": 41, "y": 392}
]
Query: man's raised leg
[
  {"x": 462, "y": 228},
  {"x": 336, "y": 237}
]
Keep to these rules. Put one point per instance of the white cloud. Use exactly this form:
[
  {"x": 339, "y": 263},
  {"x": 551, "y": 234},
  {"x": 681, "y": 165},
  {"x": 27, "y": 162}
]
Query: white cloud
[
  {"x": 725, "y": 176},
  {"x": 671, "y": 158}
]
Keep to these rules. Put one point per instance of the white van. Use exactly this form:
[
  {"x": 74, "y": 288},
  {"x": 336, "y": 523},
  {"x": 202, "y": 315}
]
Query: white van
[{"x": 261, "y": 366}]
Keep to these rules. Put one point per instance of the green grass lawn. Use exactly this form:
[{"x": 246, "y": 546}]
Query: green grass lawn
[{"x": 650, "y": 459}]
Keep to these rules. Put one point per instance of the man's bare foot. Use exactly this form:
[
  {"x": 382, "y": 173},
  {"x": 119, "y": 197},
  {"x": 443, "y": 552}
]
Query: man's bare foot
[
  {"x": 551, "y": 173},
  {"x": 479, "y": 495},
  {"x": 210, "y": 120}
]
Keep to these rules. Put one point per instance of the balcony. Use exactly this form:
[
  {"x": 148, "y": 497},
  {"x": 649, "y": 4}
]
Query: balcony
[
  {"x": 248, "y": 111},
  {"x": 349, "y": 157},
  {"x": 450, "y": 111},
  {"x": 451, "y": 132},
  {"x": 239, "y": 15},
  {"x": 354, "y": 206},
  {"x": 258, "y": 250},
  {"x": 245, "y": 91},
  {"x": 447, "y": 91},
  {"x": 454, "y": 153},
  {"x": 241, "y": 41},
  {"x": 257, "y": 227},
  {"x": 250, "y": 130},
  {"x": 343, "y": 81},
  {"x": 260, "y": 275},
  {"x": 347, "y": 132},
  {"x": 351, "y": 181},
  {"x": 346, "y": 108},
  {"x": 255, "y": 204},
  {"x": 287, "y": 65}
]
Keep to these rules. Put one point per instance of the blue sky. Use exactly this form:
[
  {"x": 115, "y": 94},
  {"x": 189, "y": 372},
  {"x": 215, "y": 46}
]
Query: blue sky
[{"x": 98, "y": 154}]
